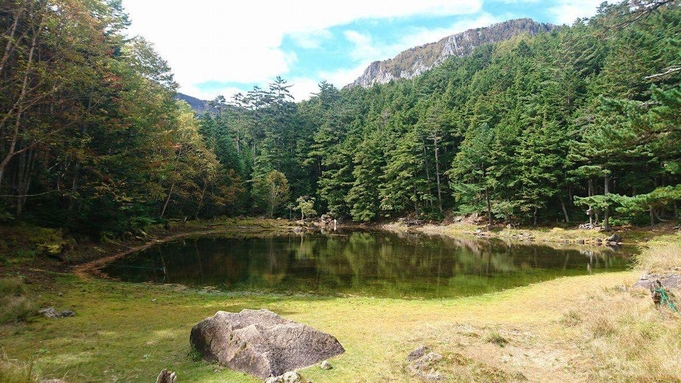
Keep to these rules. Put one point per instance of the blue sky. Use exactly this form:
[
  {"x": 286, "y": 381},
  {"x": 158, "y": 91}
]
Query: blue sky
[{"x": 224, "y": 47}]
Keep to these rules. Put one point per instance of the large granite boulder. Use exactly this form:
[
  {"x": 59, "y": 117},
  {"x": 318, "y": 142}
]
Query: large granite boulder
[{"x": 261, "y": 343}]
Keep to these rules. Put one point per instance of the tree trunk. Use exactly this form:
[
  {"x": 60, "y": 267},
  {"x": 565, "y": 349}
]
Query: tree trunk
[
  {"x": 203, "y": 194},
  {"x": 11, "y": 41},
  {"x": 425, "y": 166},
  {"x": 416, "y": 200},
  {"x": 165, "y": 205},
  {"x": 565, "y": 213},
  {"x": 489, "y": 208},
  {"x": 437, "y": 174},
  {"x": 23, "y": 181},
  {"x": 606, "y": 213},
  {"x": 74, "y": 187},
  {"x": 19, "y": 106}
]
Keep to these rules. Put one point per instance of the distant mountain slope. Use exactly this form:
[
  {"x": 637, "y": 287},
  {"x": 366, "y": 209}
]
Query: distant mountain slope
[
  {"x": 415, "y": 61},
  {"x": 198, "y": 106}
]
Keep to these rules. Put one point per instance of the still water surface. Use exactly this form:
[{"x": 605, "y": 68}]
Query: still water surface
[{"x": 361, "y": 263}]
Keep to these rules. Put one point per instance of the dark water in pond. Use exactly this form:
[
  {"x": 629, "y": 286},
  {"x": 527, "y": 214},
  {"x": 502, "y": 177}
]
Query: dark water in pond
[{"x": 361, "y": 263}]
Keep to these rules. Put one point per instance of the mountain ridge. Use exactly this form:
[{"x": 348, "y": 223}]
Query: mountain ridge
[
  {"x": 198, "y": 106},
  {"x": 417, "y": 60}
]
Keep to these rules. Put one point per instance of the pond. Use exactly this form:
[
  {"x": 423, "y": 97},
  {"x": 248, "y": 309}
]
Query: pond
[{"x": 378, "y": 264}]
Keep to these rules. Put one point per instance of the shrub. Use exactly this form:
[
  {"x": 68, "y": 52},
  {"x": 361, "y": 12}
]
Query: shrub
[
  {"x": 12, "y": 286},
  {"x": 14, "y": 305}
]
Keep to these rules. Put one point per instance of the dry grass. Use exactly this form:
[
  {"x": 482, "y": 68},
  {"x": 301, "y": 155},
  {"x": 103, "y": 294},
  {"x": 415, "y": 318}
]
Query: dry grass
[
  {"x": 633, "y": 340},
  {"x": 620, "y": 326},
  {"x": 662, "y": 255},
  {"x": 14, "y": 371},
  {"x": 569, "y": 329}
]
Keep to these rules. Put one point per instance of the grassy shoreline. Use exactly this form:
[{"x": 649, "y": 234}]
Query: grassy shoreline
[{"x": 593, "y": 328}]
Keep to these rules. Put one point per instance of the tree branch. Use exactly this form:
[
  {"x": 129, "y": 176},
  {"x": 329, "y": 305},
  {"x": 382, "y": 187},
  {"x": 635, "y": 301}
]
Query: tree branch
[{"x": 667, "y": 72}]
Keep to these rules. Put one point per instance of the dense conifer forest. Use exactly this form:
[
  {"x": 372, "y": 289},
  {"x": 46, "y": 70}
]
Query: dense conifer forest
[{"x": 532, "y": 130}]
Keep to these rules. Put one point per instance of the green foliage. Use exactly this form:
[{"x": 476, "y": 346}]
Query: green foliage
[
  {"x": 305, "y": 207},
  {"x": 512, "y": 131},
  {"x": 5, "y": 216},
  {"x": 271, "y": 192}
]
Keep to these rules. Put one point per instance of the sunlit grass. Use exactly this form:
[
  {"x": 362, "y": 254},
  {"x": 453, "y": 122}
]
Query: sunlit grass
[
  {"x": 584, "y": 328},
  {"x": 663, "y": 254},
  {"x": 129, "y": 332},
  {"x": 15, "y": 371}
]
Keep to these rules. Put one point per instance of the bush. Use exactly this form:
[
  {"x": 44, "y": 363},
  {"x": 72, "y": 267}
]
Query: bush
[
  {"x": 12, "y": 286},
  {"x": 15, "y": 307}
]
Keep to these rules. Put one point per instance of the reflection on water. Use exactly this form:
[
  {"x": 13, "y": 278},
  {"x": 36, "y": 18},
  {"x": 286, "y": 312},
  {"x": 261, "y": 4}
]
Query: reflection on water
[{"x": 361, "y": 263}]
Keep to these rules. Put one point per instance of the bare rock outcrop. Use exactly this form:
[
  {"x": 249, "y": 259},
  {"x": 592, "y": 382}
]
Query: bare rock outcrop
[
  {"x": 261, "y": 343},
  {"x": 415, "y": 61},
  {"x": 668, "y": 280}
]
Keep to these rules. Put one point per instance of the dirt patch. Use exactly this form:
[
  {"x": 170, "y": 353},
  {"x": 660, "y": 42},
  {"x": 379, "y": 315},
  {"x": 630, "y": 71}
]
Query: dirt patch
[{"x": 503, "y": 354}]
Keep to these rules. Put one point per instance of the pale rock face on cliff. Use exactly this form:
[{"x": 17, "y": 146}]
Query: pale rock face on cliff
[{"x": 413, "y": 62}]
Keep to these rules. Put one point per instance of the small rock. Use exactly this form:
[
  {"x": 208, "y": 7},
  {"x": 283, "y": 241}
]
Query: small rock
[
  {"x": 292, "y": 377},
  {"x": 67, "y": 313},
  {"x": 289, "y": 377},
  {"x": 418, "y": 353},
  {"x": 432, "y": 357},
  {"x": 422, "y": 363},
  {"x": 325, "y": 365},
  {"x": 614, "y": 238},
  {"x": 49, "y": 312},
  {"x": 166, "y": 376}
]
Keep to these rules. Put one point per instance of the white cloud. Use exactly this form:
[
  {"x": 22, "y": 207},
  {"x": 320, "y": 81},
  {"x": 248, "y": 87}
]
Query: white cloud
[
  {"x": 311, "y": 40},
  {"x": 222, "y": 41},
  {"x": 519, "y": 1},
  {"x": 568, "y": 11},
  {"x": 303, "y": 88},
  {"x": 424, "y": 35},
  {"x": 344, "y": 76},
  {"x": 239, "y": 41},
  {"x": 366, "y": 49},
  {"x": 363, "y": 46}
]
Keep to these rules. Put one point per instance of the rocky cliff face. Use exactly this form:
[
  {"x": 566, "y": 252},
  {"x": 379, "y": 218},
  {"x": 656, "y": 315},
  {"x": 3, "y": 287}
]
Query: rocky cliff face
[
  {"x": 415, "y": 61},
  {"x": 198, "y": 106}
]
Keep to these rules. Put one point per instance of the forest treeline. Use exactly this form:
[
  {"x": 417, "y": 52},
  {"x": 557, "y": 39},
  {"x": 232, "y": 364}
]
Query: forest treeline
[{"x": 536, "y": 129}]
